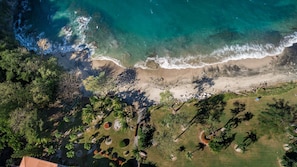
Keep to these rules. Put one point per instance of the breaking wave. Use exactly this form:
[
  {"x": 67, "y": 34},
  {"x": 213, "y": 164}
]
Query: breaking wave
[
  {"x": 227, "y": 53},
  {"x": 78, "y": 27},
  {"x": 30, "y": 40}
]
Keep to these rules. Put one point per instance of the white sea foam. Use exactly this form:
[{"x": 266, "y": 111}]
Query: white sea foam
[
  {"x": 227, "y": 53},
  {"x": 78, "y": 27},
  {"x": 172, "y": 63},
  {"x": 257, "y": 51},
  {"x": 102, "y": 57}
]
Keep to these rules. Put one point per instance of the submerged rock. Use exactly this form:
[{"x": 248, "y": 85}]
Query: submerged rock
[
  {"x": 288, "y": 58},
  {"x": 152, "y": 64}
]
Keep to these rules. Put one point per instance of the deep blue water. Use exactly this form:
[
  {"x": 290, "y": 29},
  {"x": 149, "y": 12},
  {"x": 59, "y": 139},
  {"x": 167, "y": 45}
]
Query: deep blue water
[{"x": 176, "y": 33}]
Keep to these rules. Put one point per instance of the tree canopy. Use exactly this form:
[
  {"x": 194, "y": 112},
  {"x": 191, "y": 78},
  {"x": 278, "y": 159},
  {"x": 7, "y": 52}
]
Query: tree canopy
[
  {"x": 28, "y": 84},
  {"x": 278, "y": 116}
]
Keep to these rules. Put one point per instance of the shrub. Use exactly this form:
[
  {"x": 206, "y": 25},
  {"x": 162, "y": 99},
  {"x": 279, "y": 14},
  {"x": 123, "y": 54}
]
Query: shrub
[
  {"x": 166, "y": 98},
  {"x": 124, "y": 142},
  {"x": 66, "y": 119},
  {"x": 70, "y": 154},
  {"x": 69, "y": 146},
  {"x": 145, "y": 136},
  {"x": 57, "y": 134},
  {"x": 87, "y": 146}
]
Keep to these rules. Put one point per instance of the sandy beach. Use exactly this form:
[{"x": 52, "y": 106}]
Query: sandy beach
[{"x": 232, "y": 76}]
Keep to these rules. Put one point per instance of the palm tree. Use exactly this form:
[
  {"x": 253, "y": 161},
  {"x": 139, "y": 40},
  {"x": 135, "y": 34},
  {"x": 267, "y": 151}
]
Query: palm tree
[
  {"x": 247, "y": 116},
  {"x": 200, "y": 117},
  {"x": 181, "y": 149},
  {"x": 250, "y": 138},
  {"x": 208, "y": 110},
  {"x": 277, "y": 116},
  {"x": 189, "y": 155},
  {"x": 239, "y": 107},
  {"x": 200, "y": 146},
  {"x": 233, "y": 122}
]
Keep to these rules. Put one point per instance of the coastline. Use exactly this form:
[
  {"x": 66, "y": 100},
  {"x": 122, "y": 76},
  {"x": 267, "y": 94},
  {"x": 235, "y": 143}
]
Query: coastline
[
  {"x": 232, "y": 76},
  {"x": 81, "y": 23},
  {"x": 74, "y": 113}
]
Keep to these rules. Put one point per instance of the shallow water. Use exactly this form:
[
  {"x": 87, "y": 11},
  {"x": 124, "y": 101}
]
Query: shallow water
[{"x": 175, "y": 33}]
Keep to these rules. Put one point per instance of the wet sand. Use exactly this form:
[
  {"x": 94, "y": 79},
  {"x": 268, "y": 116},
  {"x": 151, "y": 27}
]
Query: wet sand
[{"x": 233, "y": 76}]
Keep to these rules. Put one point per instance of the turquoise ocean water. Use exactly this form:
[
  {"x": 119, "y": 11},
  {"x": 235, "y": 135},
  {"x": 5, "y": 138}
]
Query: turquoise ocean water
[{"x": 175, "y": 33}]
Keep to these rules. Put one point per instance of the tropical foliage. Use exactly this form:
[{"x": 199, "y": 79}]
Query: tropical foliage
[
  {"x": 28, "y": 84},
  {"x": 278, "y": 116}
]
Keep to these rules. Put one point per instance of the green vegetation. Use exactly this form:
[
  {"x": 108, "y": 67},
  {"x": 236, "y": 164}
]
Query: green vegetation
[
  {"x": 234, "y": 125},
  {"x": 166, "y": 98},
  {"x": 145, "y": 136},
  {"x": 101, "y": 84},
  {"x": 278, "y": 116},
  {"x": 240, "y": 129},
  {"x": 124, "y": 142},
  {"x": 28, "y": 85},
  {"x": 40, "y": 116}
]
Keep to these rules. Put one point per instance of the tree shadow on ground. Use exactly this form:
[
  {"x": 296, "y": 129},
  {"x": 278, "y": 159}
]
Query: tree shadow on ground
[
  {"x": 132, "y": 96},
  {"x": 201, "y": 83},
  {"x": 222, "y": 141},
  {"x": 211, "y": 108},
  {"x": 208, "y": 110},
  {"x": 128, "y": 76},
  {"x": 108, "y": 71},
  {"x": 228, "y": 140}
]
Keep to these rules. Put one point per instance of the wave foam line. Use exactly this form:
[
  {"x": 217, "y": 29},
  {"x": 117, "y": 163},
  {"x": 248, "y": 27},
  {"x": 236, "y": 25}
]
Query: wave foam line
[
  {"x": 225, "y": 54},
  {"x": 80, "y": 25},
  {"x": 105, "y": 58},
  {"x": 172, "y": 63}
]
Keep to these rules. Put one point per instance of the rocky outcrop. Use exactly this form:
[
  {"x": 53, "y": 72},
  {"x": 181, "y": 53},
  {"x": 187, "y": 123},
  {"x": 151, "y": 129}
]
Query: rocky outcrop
[
  {"x": 288, "y": 59},
  {"x": 152, "y": 64}
]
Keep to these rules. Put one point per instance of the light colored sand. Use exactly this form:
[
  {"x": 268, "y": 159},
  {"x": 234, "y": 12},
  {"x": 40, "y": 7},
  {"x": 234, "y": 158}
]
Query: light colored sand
[{"x": 180, "y": 82}]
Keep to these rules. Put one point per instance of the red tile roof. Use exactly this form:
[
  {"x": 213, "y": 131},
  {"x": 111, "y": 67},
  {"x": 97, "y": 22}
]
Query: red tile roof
[{"x": 34, "y": 162}]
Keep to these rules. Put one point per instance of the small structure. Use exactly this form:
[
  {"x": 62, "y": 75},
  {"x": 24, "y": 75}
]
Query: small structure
[
  {"x": 126, "y": 153},
  {"x": 238, "y": 149},
  {"x": 117, "y": 125},
  {"x": 108, "y": 141},
  {"x": 173, "y": 157},
  {"x": 107, "y": 125},
  {"x": 142, "y": 154},
  {"x": 34, "y": 162},
  {"x": 203, "y": 138}
]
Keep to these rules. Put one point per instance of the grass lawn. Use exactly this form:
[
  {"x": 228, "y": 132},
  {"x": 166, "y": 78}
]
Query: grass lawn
[
  {"x": 115, "y": 135},
  {"x": 267, "y": 151}
]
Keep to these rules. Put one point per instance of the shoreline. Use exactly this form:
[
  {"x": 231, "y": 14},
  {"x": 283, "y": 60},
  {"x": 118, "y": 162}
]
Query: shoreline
[
  {"x": 232, "y": 76},
  {"x": 195, "y": 60}
]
